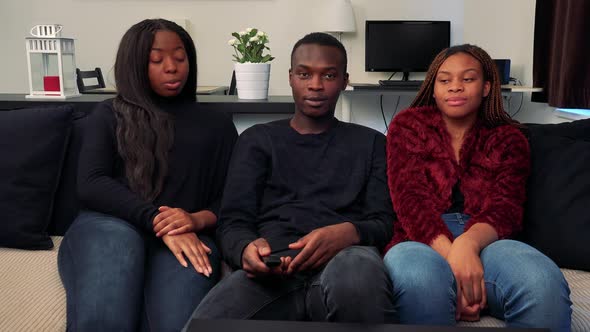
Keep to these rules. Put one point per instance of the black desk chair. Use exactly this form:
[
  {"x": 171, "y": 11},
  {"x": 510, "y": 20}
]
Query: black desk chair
[
  {"x": 232, "y": 86},
  {"x": 81, "y": 75}
]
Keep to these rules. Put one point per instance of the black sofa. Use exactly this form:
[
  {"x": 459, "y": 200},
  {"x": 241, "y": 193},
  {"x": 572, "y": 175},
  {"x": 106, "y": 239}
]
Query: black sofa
[{"x": 38, "y": 195}]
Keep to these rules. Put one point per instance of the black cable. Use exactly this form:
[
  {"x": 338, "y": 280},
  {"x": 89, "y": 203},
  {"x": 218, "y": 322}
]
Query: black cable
[
  {"x": 395, "y": 109},
  {"x": 516, "y": 81},
  {"x": 519, "y": 106},
  {"x": 382, "y": 111},
  {"x": 509, "y": 100},
  {"x": 391, "y": 75}
]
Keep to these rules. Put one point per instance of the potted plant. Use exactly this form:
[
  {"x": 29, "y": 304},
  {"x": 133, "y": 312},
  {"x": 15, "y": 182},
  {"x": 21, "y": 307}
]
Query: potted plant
[{"x": 252, "y": 66}]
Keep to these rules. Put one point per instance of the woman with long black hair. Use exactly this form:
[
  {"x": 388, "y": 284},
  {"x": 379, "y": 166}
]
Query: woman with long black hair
[{"x": 151, "y": 174}]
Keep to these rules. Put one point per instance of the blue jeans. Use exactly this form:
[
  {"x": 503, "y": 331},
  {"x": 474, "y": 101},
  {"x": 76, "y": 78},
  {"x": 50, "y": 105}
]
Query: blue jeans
[
  {"x": 524, "y": 287},
  {"x": 353, "y": 287},
  {"x": 119, "y": 279}
]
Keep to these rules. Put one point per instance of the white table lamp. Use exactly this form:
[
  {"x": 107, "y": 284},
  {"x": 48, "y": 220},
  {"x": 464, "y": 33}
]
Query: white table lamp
[{"x": 338, "y": 17}]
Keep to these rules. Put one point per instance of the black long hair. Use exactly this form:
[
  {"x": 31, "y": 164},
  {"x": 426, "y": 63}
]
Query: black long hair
[{"x": 144, "y": 133}]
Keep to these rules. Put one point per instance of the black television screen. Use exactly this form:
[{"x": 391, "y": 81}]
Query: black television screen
[{"x": 404, "y": 46}]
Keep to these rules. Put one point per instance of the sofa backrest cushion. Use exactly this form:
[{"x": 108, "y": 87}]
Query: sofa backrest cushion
[
  {"x": 557, "y": 218},
  {"x": 33, "y": 144},
  {"x": 66, "y": 204}
]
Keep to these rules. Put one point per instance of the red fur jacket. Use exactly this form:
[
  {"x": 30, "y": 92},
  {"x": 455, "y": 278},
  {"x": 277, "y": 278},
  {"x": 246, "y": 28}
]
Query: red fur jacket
[{"x": 422, "y": 170}]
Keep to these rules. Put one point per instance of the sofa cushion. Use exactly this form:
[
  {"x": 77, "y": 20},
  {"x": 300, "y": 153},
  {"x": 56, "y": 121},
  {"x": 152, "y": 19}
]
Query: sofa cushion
[
  {"x": 33, "y": 144},
  {"x": 66, "y": 204},
  {"x": 557, "y": 221},
  {"x": 32, "y": 297}
]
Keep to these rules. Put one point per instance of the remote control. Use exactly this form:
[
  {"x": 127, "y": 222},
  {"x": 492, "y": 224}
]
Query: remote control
[{"x": 272, "y": 260}]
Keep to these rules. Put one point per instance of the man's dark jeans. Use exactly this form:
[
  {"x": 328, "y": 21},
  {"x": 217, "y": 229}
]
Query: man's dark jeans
[
  {"x": 118, "y": 279},
  {"x": 353, "y": 287}
]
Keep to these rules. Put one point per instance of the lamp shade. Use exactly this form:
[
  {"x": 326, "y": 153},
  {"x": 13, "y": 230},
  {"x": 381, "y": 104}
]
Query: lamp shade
[{"x": 338, "y": 16}]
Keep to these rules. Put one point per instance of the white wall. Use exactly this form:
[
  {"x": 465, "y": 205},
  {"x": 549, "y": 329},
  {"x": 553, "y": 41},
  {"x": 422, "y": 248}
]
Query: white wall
[
  {"x": 503, "y": 27},
  {"x": 98, "y": 26},
  {"x": 448, "y": 10}
]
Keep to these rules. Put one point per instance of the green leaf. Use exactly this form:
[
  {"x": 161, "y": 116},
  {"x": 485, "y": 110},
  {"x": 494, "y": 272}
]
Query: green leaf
[
  {"x": 247, "y": 51},
  {"x": 266, "y": 58}
]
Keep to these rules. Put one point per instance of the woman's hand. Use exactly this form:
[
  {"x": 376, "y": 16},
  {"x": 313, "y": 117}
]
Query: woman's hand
[
  {"x": 175, "y": 221},
  {"x": 189, "y": 245},
  {"x": 466, "y": 312},
  {"x": 463, "y": 258}
]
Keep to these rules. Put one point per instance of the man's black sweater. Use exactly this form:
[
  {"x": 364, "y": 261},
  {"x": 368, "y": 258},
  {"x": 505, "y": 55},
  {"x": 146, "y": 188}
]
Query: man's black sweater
[
  {"x": 281, "y": 185},
  {"x": 197, "y": 164}
]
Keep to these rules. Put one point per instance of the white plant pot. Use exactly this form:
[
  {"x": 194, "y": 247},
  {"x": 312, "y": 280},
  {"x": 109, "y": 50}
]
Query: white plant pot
[{"x": 252, "y": 80}]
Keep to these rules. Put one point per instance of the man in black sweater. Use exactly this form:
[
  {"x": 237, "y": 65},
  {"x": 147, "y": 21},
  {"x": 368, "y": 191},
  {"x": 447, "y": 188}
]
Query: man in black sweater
[{"x": 306, "y": 208}]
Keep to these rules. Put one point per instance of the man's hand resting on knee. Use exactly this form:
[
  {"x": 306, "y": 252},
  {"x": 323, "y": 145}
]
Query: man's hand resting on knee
[
  {"x": 253, "y": 264},
  {"x": 319, "y": 246}
]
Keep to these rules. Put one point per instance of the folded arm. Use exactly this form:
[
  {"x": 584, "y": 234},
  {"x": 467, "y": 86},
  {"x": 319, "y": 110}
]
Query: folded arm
[
  {"x": 411, "y": 186},
  {"x": 243, "y": 190},
  {"x": 509, "y": 161},
  {"x": 97, "y": 187},
  {"x": 376, "y": 227}
]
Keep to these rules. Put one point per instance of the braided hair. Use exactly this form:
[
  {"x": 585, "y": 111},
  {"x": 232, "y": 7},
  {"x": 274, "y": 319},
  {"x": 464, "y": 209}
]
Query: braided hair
[{"x": 491, "y": 110}]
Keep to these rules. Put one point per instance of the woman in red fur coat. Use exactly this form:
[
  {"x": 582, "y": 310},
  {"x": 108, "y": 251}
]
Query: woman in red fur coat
[{"x": 457, "y": 169}]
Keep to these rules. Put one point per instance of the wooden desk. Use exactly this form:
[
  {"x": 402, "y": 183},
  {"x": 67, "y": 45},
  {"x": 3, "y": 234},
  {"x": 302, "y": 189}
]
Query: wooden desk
[
  {"x": 228, "y": 104},
  {"x": 376, "y": 90},
  {"x": 201, "y": 90}
]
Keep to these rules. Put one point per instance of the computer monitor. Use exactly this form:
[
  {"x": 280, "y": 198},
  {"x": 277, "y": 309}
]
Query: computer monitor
[
  {"x": 503, "y": 66},
  {"x": 404, "y": 46}
]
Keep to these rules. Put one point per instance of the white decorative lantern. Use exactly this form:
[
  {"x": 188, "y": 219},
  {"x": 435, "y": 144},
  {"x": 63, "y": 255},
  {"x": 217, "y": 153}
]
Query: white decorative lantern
[{"x": 51, "y": 62}]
